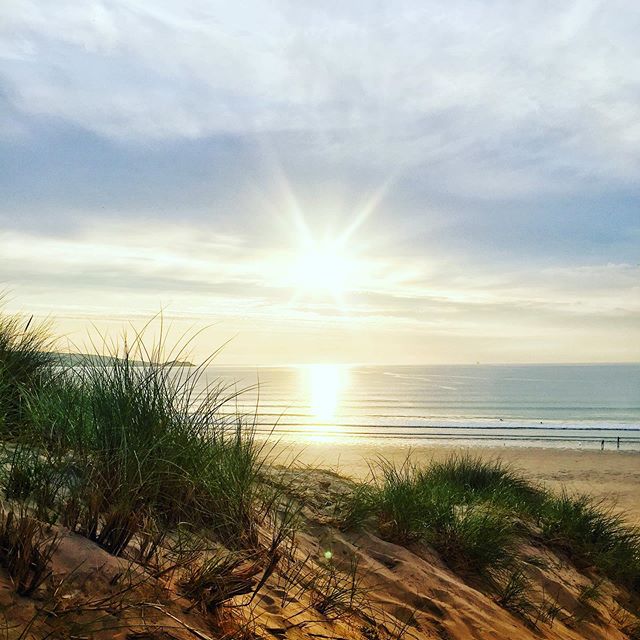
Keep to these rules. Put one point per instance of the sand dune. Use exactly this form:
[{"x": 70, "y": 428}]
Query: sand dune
[{"x": 396, "y": 592}]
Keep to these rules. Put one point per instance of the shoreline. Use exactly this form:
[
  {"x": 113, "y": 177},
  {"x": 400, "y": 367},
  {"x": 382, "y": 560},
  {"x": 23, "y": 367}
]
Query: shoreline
[{"x": 613, "y": 476}]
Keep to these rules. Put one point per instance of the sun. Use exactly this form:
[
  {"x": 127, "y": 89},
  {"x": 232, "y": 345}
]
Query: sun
[
  {"x": 332, "y": 264},
  {"x": 321, "y": 268}
]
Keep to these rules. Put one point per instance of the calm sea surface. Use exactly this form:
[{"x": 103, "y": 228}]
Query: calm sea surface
[{"x": 574, "y": 406}]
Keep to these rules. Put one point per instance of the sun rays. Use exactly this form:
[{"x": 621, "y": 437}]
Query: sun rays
[{"x": 325, "y": 265}]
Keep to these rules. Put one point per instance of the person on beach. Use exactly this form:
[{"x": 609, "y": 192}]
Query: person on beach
[{"x": 602, "y": 445}]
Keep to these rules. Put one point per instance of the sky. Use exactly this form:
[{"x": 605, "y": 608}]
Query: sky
[{"x": 386, "y": 182}]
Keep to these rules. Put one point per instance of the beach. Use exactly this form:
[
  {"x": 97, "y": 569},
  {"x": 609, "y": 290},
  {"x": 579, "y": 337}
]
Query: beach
[
  {"x": 123, "y": 508},
  {"x": 609, "y": 475},
  {"x": 546, "y": 421}
]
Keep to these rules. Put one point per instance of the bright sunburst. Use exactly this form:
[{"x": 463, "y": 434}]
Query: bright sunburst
[
  {"x": 323, "y": 267},
  {"x": 328, "y": 265}
]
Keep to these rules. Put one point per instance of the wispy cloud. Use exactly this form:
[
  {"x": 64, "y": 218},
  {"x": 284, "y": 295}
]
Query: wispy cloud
[
  {"x": 545, "y": 88},
  {"x": 138, "y": 270},
  {"x": 150, "y": 153}
]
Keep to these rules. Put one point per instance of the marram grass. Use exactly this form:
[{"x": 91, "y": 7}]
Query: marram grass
[
  {"x": 25, "y": 366},
  {"x": 105, "y": 448},
  {"x": 135, "y": 449},
  {"x": 476, "y": 512}
]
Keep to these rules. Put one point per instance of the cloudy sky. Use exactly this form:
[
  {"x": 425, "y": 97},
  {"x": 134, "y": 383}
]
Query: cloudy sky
[{"x": 404, "y": 181}]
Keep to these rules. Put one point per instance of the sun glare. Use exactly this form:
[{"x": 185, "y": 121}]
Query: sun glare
[
  {"x": 326, "y": 383},
  {"x": 322, "y": 268},
  {"x": 330, "y": 264}
]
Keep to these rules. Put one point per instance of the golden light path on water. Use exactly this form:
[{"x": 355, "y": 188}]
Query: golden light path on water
[{"x": 325, "y": 385}]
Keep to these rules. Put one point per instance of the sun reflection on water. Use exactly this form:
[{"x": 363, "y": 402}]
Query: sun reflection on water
[{"x": 325, "y": 384}]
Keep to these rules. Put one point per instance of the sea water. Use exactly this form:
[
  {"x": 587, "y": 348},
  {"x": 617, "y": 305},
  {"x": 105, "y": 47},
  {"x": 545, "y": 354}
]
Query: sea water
[{"x": 575, "y": 406}]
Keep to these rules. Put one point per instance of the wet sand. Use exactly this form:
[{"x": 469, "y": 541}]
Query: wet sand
[{"x": 610, "y": 475}]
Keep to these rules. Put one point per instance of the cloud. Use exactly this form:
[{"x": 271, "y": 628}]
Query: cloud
[
  {"x": 534, "y": 95},
  {"x": 152, "y": 153},
  {"x": 167, "y": 262}
]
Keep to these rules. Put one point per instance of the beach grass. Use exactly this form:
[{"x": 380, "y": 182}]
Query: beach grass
[
  {"x": 146, "y": 460},
  {"x": 141, "y": 457},
  {"x": 442, "y": 505},
  {"x": 26, "y": 547},
  {"x": 26, "y": 364},
  {"x": 591, "y": 533},
  {"x": 477, "y": 512},
  {"x": 105, "y": 448},
  {"x": 477, "y": 479}
]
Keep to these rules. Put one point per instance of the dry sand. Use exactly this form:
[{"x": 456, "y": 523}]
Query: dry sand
[
  {"x": 402, "y": 592},
  {"x": 611, "y": 475}
]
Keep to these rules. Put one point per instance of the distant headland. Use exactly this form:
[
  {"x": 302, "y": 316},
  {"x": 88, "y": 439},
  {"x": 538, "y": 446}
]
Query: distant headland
[{"x": 97, "y": 360}]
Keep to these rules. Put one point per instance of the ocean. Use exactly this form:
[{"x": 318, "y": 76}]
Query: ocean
[{"x": 572, "y": 406}]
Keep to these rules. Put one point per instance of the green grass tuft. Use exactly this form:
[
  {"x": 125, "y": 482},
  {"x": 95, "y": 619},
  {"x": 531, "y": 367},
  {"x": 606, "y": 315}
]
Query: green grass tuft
[
  {"x": 211, "y": 581},
  {"x": 477, "y": 479},
  {"x": 25, "y": 365},
  {"x": 475, "y": 512},
  {"x": 593, "y": 534},
  {"x": 463, "y": 524},
  {"x": 515, "y": 594},
  {"x": 109, "y": 447}
]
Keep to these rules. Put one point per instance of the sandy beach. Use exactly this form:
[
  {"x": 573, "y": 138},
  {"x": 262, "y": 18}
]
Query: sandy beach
[{"x": 611, "y": 475}]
